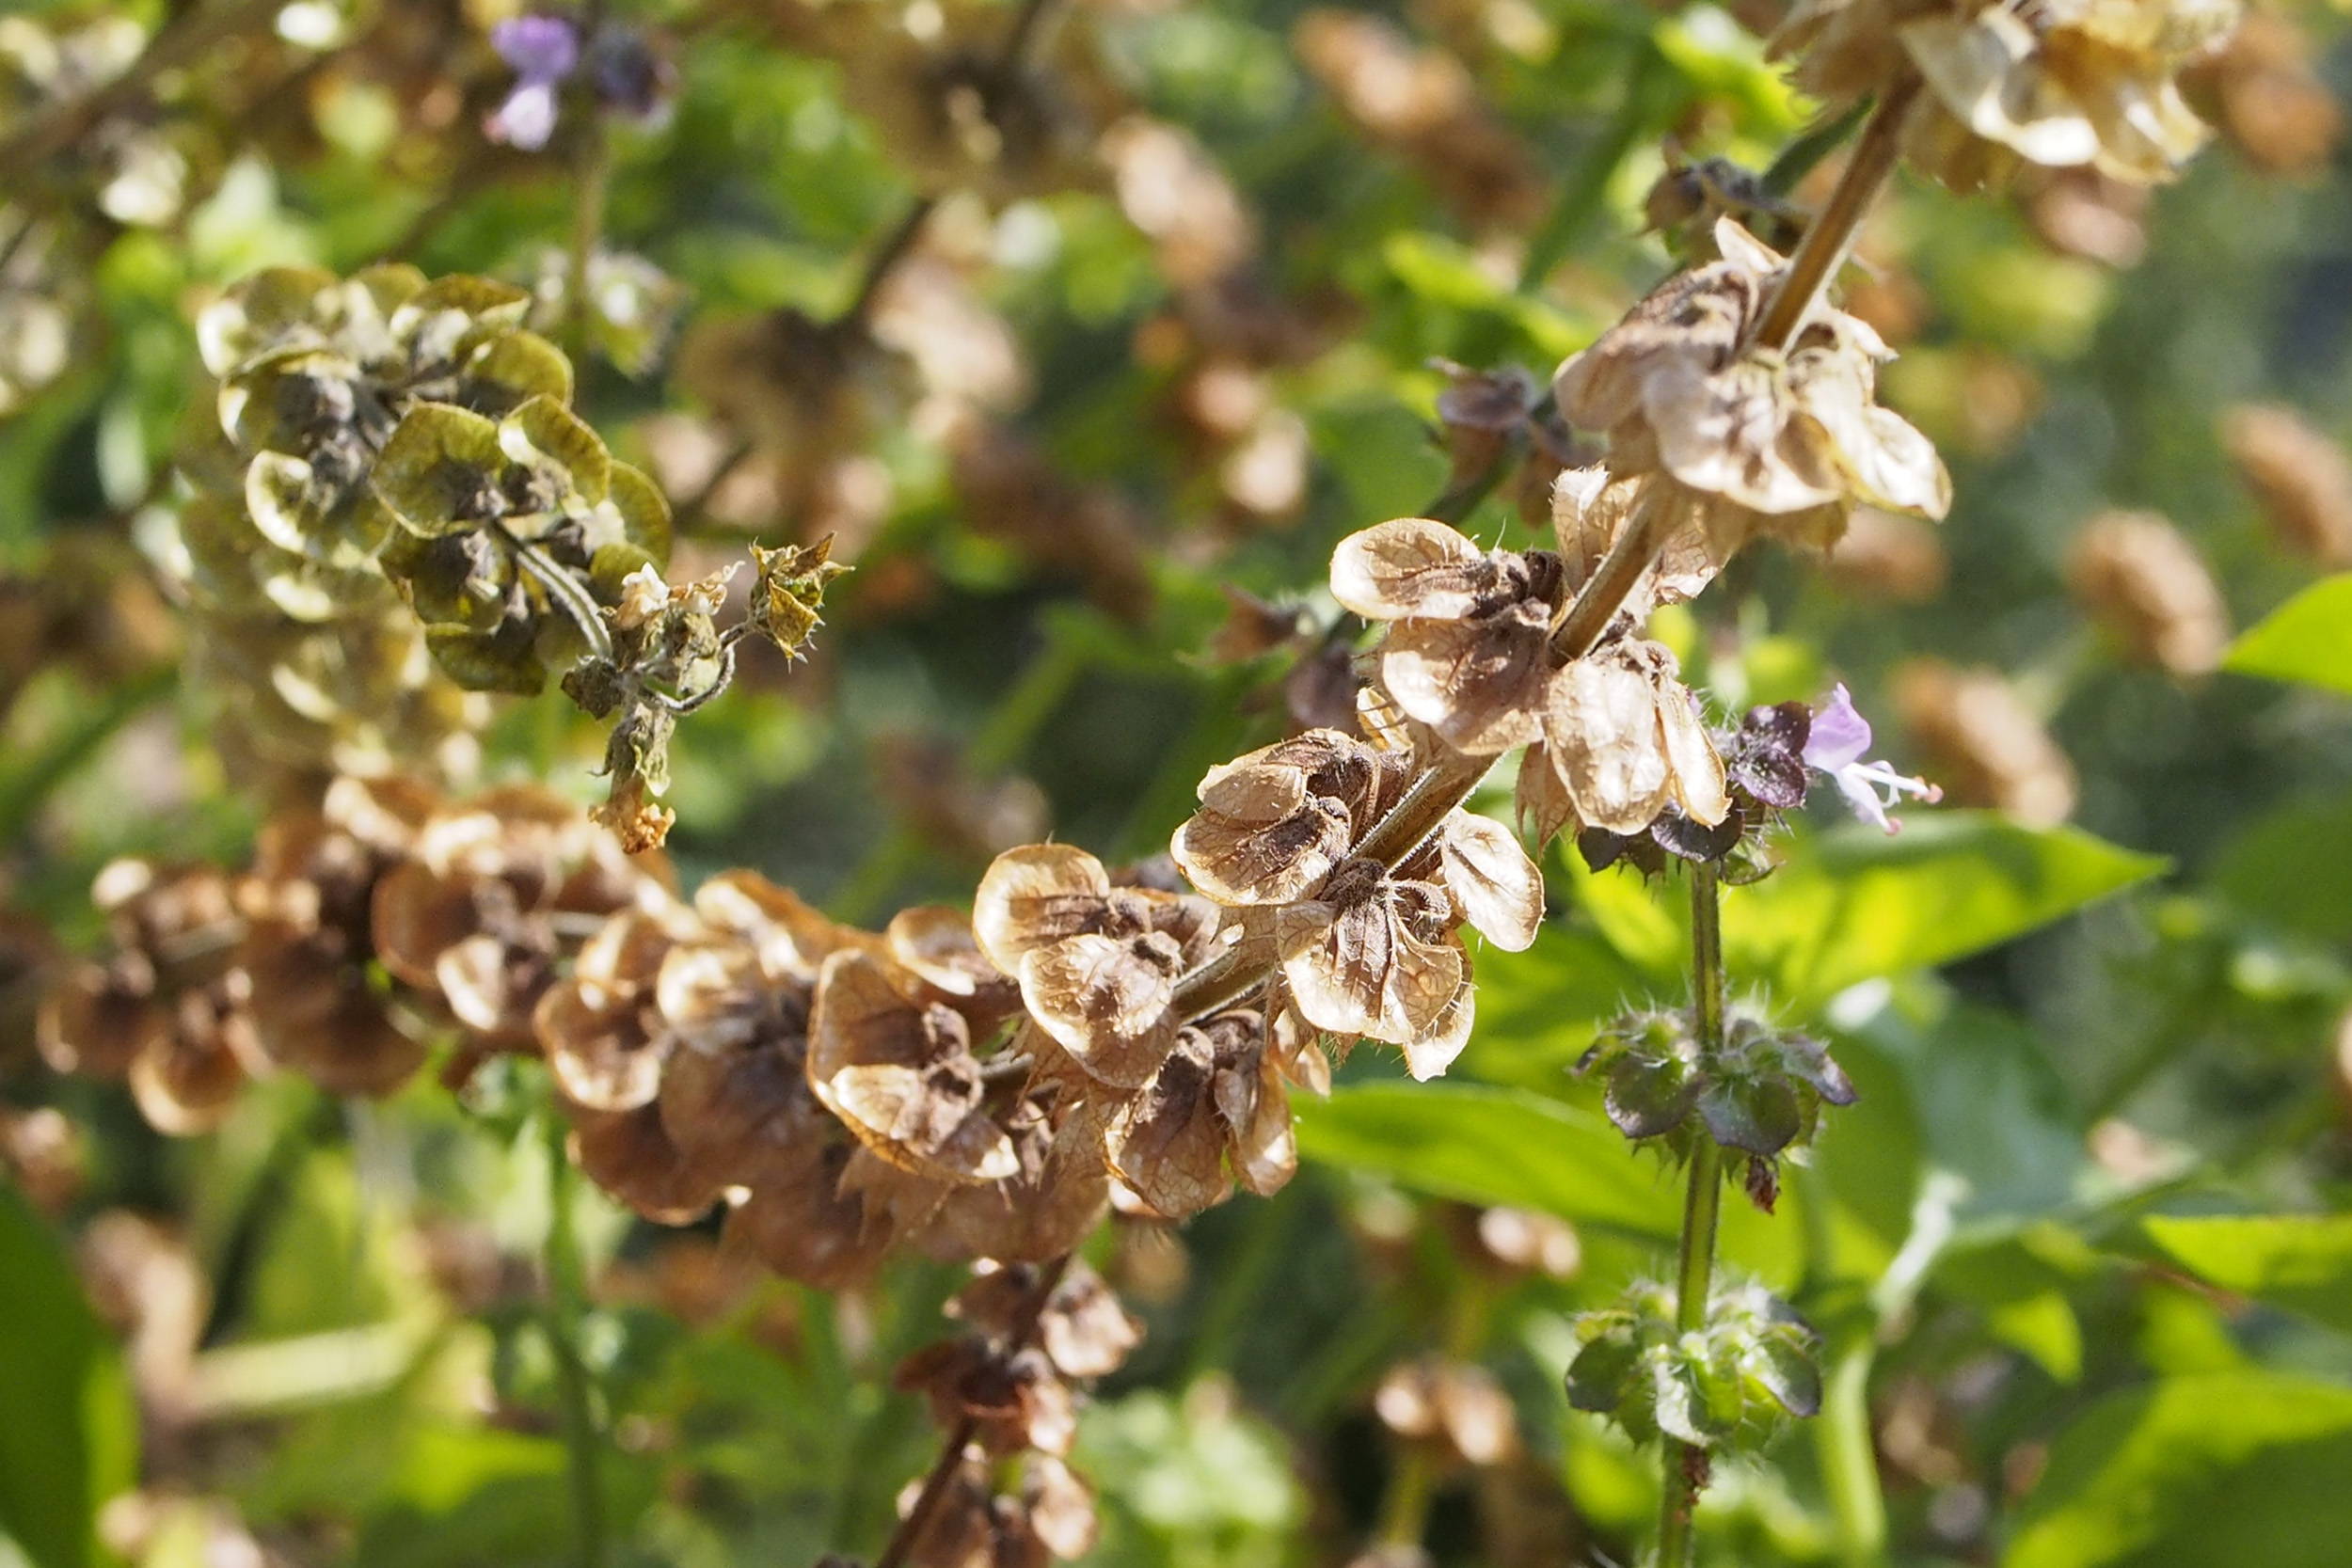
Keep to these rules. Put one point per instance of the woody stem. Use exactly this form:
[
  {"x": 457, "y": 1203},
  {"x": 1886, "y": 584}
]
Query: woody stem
[
  {"x": 943, "y": 1470},
  {"x": 1831, "y": 234},
  {"x": 1686, "y": 1464}
]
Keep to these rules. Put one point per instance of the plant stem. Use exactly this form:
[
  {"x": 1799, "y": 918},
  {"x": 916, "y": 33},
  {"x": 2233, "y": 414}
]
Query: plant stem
[
  {"x": 592, "y": 177},
  {"x": 181, "y": 40},
  {"x": 1831, "y": 234},
  {"x": 1694, "y": 1273},
  {"x": 1849, "y": 1467},
  {"x": 567, "y": 1297},
  {"x": 944, "y": 1469}
]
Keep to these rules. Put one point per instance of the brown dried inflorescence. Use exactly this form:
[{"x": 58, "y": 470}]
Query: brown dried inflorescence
[
  {"x": 1456, "y": 1409},
  {"x": 2060, "y": 82},
  {"x": 1423, "y": 105},
  {"x": 1008, "y": 1391},
  {"x": 1097, "y": 964},
  {"x": 2261, "y": 89},
  {"x": 2141, "y": 579},
  {"x": 309, "y": 905},
  {"x": 1758, "y": 439},
  {"x": 1983, "y": 741},
  {"x": 1613, "y": 737},
  {"x": 496, "y": 888},
  {"x": 169, "y": 1008},
  {"x": 2301, "y": 477}
]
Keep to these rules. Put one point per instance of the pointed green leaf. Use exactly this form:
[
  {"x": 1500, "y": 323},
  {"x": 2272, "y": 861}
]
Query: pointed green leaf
[
  {"x": 2307, "y": 639},
  {"x": 1858, "y": 905},
  {"x": 1493, "y": 1146},
  {"x": 2240, "y": 1469},
  {"x": 2299, "y": 1262},
  {"x": 69, "y": 1433}
]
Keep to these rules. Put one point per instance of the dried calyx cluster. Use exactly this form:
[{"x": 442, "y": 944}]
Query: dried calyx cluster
[
  {"x": 397, "y": 507},
  {"x": 395, "y": 510}
]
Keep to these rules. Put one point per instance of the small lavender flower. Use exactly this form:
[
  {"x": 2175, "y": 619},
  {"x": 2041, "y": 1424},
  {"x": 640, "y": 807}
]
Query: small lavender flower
[
  {"x": 1840, "y": 737},
  {"x": 544, "y": 50}
]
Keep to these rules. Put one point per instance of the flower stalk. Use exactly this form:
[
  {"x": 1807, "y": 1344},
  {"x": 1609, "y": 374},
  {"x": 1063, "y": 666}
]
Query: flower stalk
[
  {"x": 1694, "y": 1273},
  {"x": 1831, "y": 234},
  {"x": 567, "y": 1297}
]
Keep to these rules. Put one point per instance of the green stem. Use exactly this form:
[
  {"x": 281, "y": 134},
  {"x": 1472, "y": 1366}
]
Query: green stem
[
  {"x": 592, "y": 182},
  {"x": 1850, "y": 1469},
  {"x": 1694, "y": 1269},
  {"x": 567, "y": 1300}
]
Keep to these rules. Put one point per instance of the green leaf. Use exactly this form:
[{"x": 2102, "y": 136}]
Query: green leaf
[
  {"x": 1857, "y": 905},
  {"x": 1993, "y": 1112},
  {"x": 1494, "y": 1146},
  {"x": 69, "y": 1432},
  {"x": 2299, "y": 1262},
  {"x": 2307, "y": 639},
  {"x": 1538, "y": 1010},
  {"x": 2243, "y": 1468}
]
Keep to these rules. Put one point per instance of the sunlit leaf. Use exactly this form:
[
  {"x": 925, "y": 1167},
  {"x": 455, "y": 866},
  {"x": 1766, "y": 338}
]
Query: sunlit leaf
[
  {"x": 1494, "y": 1146},
  {"x": 1857, "y": 905},
  {"x": 2299, "y": 1262},
  {"x": 2307, "y": 639},
  {"x": 2236, "y": 1467}
]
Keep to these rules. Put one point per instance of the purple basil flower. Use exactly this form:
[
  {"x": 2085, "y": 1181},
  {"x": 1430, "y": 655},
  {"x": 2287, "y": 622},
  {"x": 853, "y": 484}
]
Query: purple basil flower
[
  {"x": 544, "y": 50},
  {"x": 1840, "y": 738}
]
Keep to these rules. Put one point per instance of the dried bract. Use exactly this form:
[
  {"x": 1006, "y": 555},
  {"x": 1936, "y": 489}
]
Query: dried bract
[
  {"x": 2141, "y": 579},
  {"x": 2062, "y": 82},
  {"x": 1765, "y": 442},
  {"x": 1273, "y": 823},
  {"x": 1097, "y": 965},
  {"x": 2303, "y": 479}
]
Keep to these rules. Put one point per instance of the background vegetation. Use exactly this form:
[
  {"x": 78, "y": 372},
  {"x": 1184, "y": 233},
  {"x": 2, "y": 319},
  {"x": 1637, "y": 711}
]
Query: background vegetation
[{"x": 1153, "y": 336}]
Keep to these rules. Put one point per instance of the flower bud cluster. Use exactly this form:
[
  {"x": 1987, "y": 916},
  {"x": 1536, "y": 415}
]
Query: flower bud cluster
[
  {"x": 1756, "y": 1096},
  {"x": 1726, "y": 1385}
]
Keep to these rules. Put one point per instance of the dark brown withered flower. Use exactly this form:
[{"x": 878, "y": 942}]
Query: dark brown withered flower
[
  {"x": 897, "y": 1066},
  {"x": 1373, "y": 954},
  {"x": 309, "y": 905},
  {"x": 1218, "y": 1103},
  {"x": 168, "y": 1008},
  {"x": 1273, "y": 823},
  {"x": 497, "y": 886},
  {"x": 1469, "y": 647},
  {"x": 1097, "y": 965}
]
